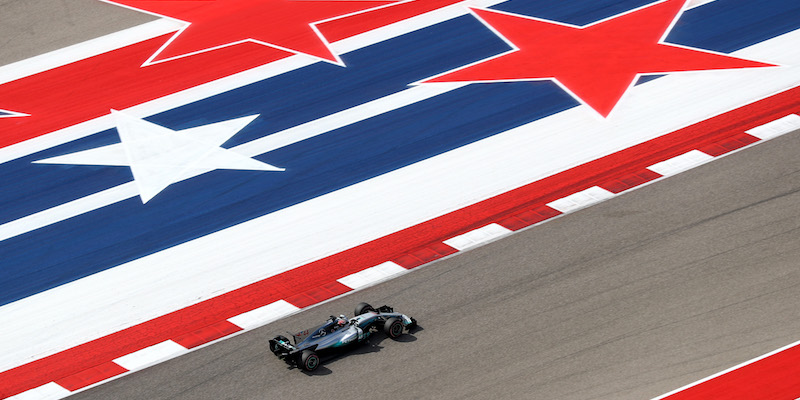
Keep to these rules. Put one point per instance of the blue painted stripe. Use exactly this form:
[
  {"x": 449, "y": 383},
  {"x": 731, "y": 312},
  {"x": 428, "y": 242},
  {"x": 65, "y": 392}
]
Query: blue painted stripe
[{"x": 128, "y": 230}]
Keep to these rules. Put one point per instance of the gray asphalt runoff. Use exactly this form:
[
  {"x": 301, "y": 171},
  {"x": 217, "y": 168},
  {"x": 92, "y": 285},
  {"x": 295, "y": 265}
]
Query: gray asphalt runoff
[
  {"x": 32, "y": 27},
  {"x": 628, "y": 299}
]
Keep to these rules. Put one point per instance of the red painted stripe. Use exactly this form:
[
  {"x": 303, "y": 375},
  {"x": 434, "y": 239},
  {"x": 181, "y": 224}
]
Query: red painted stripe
[
  {"x": 351, "y": 26},
  {"x": 116, "y": 80},
  {"x": 207, "y": 334},
  {"x": 91, "y": 376},
  {"x": 398, "y": 245},
  {"x": 318, "y": 294},
  {"x": 774, "y": 377}
]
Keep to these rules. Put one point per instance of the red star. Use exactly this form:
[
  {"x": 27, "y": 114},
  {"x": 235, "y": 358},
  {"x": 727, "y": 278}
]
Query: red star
[
  {"x": 596, "y": 63},
  {"x": 283, "y": 24}
]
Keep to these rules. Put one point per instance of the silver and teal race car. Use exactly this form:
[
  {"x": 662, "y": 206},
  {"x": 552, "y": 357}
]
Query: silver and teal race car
[{"x": 339, "y": 333}]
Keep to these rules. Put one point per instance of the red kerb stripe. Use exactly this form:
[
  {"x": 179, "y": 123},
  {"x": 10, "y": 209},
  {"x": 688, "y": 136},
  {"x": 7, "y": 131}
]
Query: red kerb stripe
[{"x": 91, "y": 376}]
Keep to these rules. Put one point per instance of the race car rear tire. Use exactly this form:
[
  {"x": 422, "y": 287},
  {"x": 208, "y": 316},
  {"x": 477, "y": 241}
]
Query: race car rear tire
[
  {"x": 362, "y": 308},
  {"x": 393, "y": 327},
  {"x": 309, "y": 360}
]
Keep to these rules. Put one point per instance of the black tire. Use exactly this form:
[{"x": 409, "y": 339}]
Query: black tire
[
  {"x": 309, "y": 360},
  {"x": 393, "y": 327},
  {"x": 274, "y": 347},
  {"x": 362, "y": 308}
]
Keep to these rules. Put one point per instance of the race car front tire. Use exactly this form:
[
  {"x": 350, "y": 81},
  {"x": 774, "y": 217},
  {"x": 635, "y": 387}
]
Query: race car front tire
[{"x": 393, "y": 327}]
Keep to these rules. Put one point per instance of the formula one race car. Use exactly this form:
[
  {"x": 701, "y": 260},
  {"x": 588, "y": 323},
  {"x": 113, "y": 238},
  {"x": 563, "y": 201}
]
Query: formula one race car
[{"x": 338, "y": 333}]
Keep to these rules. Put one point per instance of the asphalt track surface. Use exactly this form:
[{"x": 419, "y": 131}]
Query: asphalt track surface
[
  {"x": 627, "y": 299},
  {"x": 31, "y": 27}
]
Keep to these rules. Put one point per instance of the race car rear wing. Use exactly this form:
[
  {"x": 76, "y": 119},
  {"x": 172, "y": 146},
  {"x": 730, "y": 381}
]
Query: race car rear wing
[{"x": 300, "y": 336}]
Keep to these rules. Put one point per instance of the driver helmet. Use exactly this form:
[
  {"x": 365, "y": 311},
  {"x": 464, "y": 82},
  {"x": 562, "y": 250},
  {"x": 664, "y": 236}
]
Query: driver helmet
[{"x": 341, "y": 321}]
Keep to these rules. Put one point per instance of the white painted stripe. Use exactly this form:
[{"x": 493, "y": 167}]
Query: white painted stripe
[
  {"x": 50, "y": 391},
  {"x": 697, "y": 3},
  {"x": 477, "y": 236},
  {"x": 136, "y": 34},
  {"x": 372, "y": 275},
  {"x": 178, "y": 99},
  {"x": 151, "y": 355},
  {"x": 182, "y": 275},
  {"x": 233, "y": 82},
  {"x": 343, "y": 118},
  {"x": 68, "y": 210},
  {"x": 409, "y": 25},
  {"x": 584, "y": 198},
  {"x": 744, "y": 364},
  {"x": 250, "y": 149},
  {"x": 164, "y": 25},
  {"x": 264, "y": 315},
  {"x": 776, "y": 128},
  {"x": 683, "y": 162},
  {"x": 11, "y": 114},
  {"x": 90, "y": 48}
]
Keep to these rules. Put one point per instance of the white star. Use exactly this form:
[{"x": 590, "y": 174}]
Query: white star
[{"x": 159, "y": 156}]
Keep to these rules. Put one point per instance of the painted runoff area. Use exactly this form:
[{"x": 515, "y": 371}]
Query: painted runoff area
[
  {"x": 769, "y": 372},
  {"x": 568, "y": 203},
  {"x": 466, "y": 176}
]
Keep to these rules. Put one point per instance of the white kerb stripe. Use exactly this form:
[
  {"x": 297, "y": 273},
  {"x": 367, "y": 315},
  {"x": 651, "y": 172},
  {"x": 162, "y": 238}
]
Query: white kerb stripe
[
  {"x": 477, "y": 236},
  {"x": 683, "y": 162},
  {"x": 264, "y": 315},
  {"x": 50, "y": 391},
  {"x": 776, "y": 128},
  {"x": 151, "y": 355},
  {"x": 372, "y": 275},
  {"x": 584, "y": 198}
]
